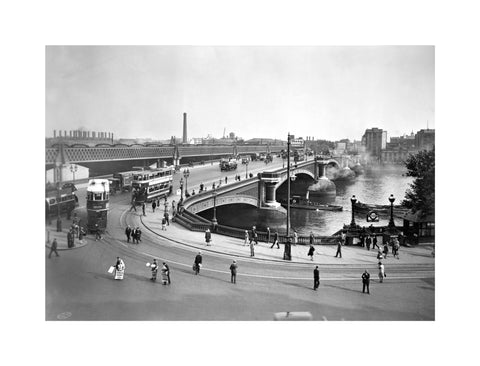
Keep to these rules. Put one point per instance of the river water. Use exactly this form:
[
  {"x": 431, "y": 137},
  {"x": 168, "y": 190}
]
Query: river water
[{"x": 374, "y": 187}]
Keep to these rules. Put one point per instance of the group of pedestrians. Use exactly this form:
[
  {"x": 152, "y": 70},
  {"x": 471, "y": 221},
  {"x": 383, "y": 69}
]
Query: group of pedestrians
[
  {"x": 165, "y": 272},
  {"x": 134, "y": 233}
]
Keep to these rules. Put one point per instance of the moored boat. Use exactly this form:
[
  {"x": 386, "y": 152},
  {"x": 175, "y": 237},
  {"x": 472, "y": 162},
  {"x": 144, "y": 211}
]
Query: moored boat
[{"x": 303, "y": 204}]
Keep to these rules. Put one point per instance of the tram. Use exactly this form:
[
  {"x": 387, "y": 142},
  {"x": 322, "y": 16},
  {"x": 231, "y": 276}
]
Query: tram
[
  {"x": 98, "y": 194},
  {"x": 152, "y": 183},
  {"x": 66, "y": 196}
]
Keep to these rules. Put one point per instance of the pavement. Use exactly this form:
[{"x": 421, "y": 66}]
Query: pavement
[
  {"x": 324, "y": 254},
  {"x": 61, "y": 236}
]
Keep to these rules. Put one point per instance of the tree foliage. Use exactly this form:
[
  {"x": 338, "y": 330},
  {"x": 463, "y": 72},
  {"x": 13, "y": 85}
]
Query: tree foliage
[{"x": 421, "y": 195}]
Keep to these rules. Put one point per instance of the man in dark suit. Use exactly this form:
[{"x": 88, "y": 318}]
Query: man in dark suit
[
  {"x": 53, "y": 248},
  {"x": 198, "y": 262},
  {"x": 233, "y": 271},
  {"x": 316, "y": 278},
  {"x": 366, "y": 281}
]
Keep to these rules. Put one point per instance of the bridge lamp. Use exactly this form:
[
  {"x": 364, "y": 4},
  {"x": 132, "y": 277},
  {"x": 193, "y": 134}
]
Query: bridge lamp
[
  {"x": 214, "y": 220},
  {"x": 186, "y": 174},
  {"x": 353, "y": 200},
  {"x": 391, "y": 199},
  {"x": 181, "y": 189}
]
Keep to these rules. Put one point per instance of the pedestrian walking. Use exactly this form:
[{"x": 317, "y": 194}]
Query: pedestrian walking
[
  {"x": 396, "y": 248},
  {"x": 233, "y": 272},
  {"x": 154, "y": 205},
  {"x": 134, "y": 236},
  {"x": 154, "y": 269},
  {"x": 164, "y": 274},
  {"x": 173, "y": 205},
  {"x": 339, "y": 249},
  {"x": 268, "y": 235},
  {"x": 226, "y": 179},
  {"x": 98, "y": 235},
  {"x": 311, "y": 250},
  {"x": 366, "y": 281},
  {"x": 167, "y": 218},
  {"x": 275, "y": 240},
  {"x": 139, "y": 234},
  {"x": 246, "y": 238},
  {"x": 208, "y": 237},
  {"x": 81, "y": 234},
  {"x": 143, "y": 209},
  {"x": 312, "y": 238},
  {"x": 374, "y": 242},
  {"x": 128, "y": 232},
  {"x": 53, "y": 248},
  {"x": 252, "y": 249},
  {"x": 381, "y": 271},
  {"x": 255, "y": 235},
  {"x": 295, "y": 237},
  {"x": 168, "y": 272},
  {"x": 316, "y": 278},
  {"x": 197, "y": 264},
  {"x": 385, "y": 250},
  {"x": 368, "y": 241},
  {"x": 164, "y": 224},
  {"x": 119, "y": 269}
]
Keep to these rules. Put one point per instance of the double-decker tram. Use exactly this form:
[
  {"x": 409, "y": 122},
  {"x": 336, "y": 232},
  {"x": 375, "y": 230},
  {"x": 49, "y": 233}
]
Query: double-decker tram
[
  {"x": 59, "y": 201},
  {"x": 98, "y": 194},
  {"x": 151, "y": 184}
]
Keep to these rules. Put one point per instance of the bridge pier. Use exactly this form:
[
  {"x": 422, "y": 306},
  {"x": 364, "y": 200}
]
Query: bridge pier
[{"x": 268, "y": 182}]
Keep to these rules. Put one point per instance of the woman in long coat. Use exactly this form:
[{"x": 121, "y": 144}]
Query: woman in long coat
[
  {"x": 311, "y": 251},
  {"x": 381, "y": 271}
]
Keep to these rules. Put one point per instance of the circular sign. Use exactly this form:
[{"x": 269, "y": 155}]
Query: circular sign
[{"x": 372, "y": 216}]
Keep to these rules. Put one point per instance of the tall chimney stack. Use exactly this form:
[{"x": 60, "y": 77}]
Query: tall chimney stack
[{"x": 184, "y": 128}]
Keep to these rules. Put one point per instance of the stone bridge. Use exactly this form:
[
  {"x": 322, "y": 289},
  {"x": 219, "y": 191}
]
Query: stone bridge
[{"x": 258, "y": 191}]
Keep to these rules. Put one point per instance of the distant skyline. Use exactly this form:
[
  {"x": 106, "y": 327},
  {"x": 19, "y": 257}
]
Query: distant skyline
[{"x": 260, "y": 91}]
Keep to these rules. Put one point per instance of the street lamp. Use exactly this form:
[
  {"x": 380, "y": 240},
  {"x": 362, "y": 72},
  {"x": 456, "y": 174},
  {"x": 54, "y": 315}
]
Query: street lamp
[
  {"x": 391, "y": 199},
  {"x": 73, "y": 169},
  {"x": 214, "y": 220},
  {"x": 353, "y": 200},
  {"x": 181, "y": 189},
  {"x": 186, "y": 174},
  {"x": 288, "y": 185},
  {"x": 246, "y": 170}
]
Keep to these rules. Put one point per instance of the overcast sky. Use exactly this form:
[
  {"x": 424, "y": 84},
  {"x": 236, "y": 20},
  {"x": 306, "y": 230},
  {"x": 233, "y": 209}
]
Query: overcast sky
[{"x": 325, "y": 92}]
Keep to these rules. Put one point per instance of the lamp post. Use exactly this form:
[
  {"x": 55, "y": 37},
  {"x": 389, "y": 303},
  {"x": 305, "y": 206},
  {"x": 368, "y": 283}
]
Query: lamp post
[
  {"x": 186, "y": 174},
  {"x": 246, "y": 170},
  {"x": 288, "y": 185},
  {"x": 181, "y": 189},
  {"x": 73, "y": 169},
  {"x": 214, "y": 220},
  {"x": 353, "y": 200},
  {"x": 59, "y": 182},
  {"x": 391, "y": 199}
]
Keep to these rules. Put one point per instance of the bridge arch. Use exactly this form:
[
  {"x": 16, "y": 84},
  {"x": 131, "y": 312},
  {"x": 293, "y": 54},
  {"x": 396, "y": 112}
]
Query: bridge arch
[{"x": 208, "y": 202}]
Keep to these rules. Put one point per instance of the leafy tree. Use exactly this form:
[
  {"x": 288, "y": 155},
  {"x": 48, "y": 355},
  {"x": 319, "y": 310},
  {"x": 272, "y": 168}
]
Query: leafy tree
[{"x": 421, "y": 195}]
